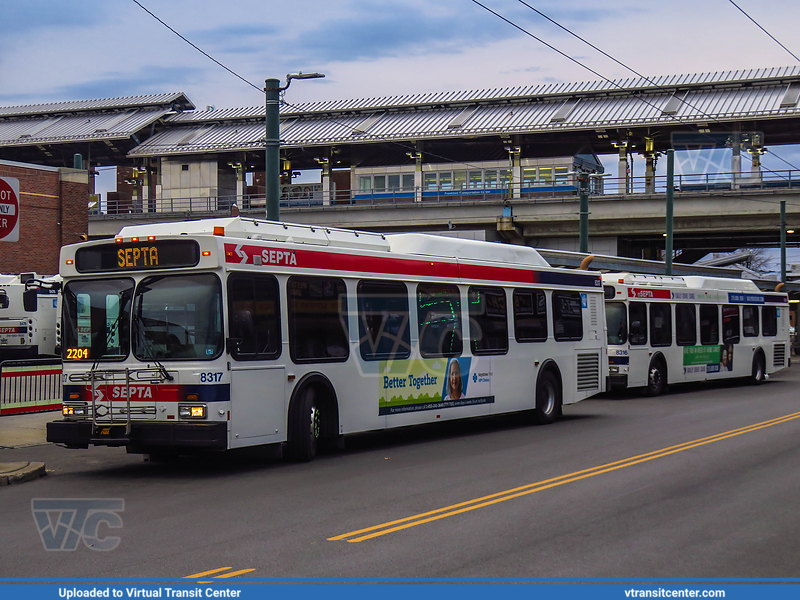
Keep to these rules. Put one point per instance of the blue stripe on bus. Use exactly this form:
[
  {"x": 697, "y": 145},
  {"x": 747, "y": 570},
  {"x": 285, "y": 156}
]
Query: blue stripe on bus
[
  {"x": 573, "y": 279},
  {"x": 740, "y": 298}
]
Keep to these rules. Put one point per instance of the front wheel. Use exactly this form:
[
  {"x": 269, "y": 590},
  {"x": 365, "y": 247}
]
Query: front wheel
[
  {"x": 305, "y": 428},
  {"x": 757, "y": 375},
  {"x": 656, "y": 378},
  {"x": 548, "y": 399}
]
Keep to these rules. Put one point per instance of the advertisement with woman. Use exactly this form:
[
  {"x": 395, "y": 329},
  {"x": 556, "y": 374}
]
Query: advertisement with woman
[{"x": 434, "y": 383}]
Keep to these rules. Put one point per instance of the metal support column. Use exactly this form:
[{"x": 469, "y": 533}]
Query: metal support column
[
  {"x": 783, "y": 241},
  {"x": 583, "y": 190},
  {"x": 670, "y": 196}
]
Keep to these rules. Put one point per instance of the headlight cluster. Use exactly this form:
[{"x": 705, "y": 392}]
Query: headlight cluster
[
  {"x": 192, "y": 411},
  {"x": 75, "y": 410}
]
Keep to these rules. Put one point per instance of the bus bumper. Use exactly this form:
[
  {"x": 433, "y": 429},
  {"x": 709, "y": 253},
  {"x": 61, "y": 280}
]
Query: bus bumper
[
  {"x": 616, "y": 382},
  {"x": 80, "y": 434}
]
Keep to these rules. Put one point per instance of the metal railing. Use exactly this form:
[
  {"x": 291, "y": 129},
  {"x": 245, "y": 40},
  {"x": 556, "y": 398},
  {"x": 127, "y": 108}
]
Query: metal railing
[
  {"x": 311, "y": 196},
  {"x": 30, "y": 385}
]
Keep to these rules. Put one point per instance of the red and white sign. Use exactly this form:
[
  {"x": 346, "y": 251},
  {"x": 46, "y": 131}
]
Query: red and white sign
[
  {"x": 138, "y": 393},
  {"x": 9, "y": 209},
  {"x": 647, "y": 294}
]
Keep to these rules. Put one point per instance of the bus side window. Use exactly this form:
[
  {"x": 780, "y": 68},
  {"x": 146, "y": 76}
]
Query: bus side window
[
  {"x": 769, "y": 321},
  {"x": 567, "y": 316},
  {"x": 488, "y": 320},
  {"x": 3, "y": 299},
  {"x": 439, "y": 315},
  {"x": 318, "y": 325},
  {"x": 383, "y": 325},
  {"x": 709, "y": 325},
  {"x": 730, "y": 324},
  {"x": 660, "y": 325},
  {"x": 750, "y": 321},
  {"x": 638, "y": 323},
  {"x": 685, "y": 324},
  {"x": 530, "y": 315}
]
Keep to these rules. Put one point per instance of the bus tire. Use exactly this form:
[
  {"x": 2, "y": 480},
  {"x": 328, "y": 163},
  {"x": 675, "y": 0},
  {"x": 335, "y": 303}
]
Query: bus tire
[
  {"x": 305, "y": 426},
  {"x": 548, "y": 398},
  {"x": 656, "y": 377},
  {"x": 757, "y": 375}
]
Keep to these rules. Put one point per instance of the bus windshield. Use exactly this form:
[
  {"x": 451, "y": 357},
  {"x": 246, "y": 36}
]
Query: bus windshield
[
  {"x": 178, "y": 317},
  {"x": 96, "y": 319},
  {"x": 616, "y": 320}
]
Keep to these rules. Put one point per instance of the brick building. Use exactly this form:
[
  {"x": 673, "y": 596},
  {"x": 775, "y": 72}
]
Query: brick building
[{"x": 52, "y": 211}]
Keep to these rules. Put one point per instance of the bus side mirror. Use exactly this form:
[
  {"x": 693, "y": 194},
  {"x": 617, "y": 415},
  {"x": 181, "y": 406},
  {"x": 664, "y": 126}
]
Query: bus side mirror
[{"x": 30, "y": 300}]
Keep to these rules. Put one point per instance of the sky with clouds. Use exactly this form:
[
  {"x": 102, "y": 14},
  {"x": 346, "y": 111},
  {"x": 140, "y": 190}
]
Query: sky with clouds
[
  {"x": 53, "y": 50},
  {"x": 56, "y": 50}
]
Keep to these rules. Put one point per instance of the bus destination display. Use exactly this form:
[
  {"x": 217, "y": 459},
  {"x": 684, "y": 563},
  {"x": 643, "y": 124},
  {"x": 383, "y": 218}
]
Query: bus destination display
[{"x": 137, "y": 256}]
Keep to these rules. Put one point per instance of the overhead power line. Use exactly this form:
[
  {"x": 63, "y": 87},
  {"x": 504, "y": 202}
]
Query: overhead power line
[
  {"x": 610, "y": 81},
  {"x": 200, "y": 50},
  {"x": 764, "y": 30}
]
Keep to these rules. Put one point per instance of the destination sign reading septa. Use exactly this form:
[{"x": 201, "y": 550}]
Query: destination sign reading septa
[{"x": 137, "y": 256}]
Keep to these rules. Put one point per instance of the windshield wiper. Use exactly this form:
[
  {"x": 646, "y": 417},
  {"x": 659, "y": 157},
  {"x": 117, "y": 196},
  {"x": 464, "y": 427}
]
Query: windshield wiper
[{"x": 145, "y": 343}]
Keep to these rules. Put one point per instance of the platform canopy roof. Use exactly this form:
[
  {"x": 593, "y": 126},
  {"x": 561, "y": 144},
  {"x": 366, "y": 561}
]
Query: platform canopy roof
[
  {"x": 51, "y": 133},
  {"x": 754, "y": 107},
  {"x": 703, "y": 109}
]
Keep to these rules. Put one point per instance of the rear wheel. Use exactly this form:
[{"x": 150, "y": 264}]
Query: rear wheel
[
  {"x": 548, "y": 398},
  {"x": 757, "y": 375},
  {"x": 656, "y": 377},
  {"x": 305, "y": 427}
]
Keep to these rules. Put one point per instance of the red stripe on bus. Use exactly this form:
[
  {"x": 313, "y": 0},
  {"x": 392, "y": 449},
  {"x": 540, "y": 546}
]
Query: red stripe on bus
[
  {"x": 646, "y": 293},
  {"x": 433, "y": 267},
  {"x": 30, "y": 409}
]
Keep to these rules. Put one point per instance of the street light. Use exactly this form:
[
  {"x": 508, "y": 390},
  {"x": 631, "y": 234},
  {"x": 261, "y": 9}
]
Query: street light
[{"x": 272, "y": 168}]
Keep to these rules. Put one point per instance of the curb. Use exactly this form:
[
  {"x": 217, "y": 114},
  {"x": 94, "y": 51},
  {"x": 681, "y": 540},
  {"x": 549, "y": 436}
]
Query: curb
[{"x": 21, "y": 472}]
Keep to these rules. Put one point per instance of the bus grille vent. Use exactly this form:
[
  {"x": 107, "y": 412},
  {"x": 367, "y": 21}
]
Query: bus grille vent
[
  {"x": 588, "y": 372},
  {"x": 779, "y": 355}
]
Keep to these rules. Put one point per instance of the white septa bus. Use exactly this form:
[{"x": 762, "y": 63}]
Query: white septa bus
[
  {"x": 29, "y": 309},
  {"x": 236, "y": 332},
  {"x": 664, "y": 330}
]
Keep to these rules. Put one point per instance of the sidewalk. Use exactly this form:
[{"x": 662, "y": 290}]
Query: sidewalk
[{"x": 20, "y": 431}]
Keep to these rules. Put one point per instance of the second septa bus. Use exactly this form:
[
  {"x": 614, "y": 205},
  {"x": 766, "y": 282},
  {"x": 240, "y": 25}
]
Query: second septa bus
[{"x": 664, "y": 330}]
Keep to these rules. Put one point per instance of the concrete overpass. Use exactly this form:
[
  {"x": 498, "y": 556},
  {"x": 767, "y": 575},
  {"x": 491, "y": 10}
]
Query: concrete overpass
[{"x": 622, "y": 224}]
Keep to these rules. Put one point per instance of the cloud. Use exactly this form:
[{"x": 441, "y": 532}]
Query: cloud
[
  {"x": 22, "y": 16},
  {"x": 240, "y": 39},
  {"x": 146, "y": 80},
  {"x": 406, "y": 30}
]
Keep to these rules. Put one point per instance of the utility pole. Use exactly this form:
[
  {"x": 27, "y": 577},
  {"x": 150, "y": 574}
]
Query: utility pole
[{"x": 272, "y": 167}]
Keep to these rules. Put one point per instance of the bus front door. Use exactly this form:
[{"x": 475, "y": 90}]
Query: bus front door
[{"x": 258, "y": 405}]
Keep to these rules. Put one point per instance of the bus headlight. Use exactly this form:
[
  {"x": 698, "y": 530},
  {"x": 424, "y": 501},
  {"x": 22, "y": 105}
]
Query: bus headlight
[
  {"x": 75, "y": 410},
  {"x": 192, "y": 411},
  {"x": 613, "y": 369}
]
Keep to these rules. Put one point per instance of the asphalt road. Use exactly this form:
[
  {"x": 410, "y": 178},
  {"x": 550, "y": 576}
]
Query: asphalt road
[{"x": 702, "y": 482}]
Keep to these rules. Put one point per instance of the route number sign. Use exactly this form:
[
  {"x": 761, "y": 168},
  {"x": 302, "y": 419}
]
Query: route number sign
[{"x": 9, "y": 209}]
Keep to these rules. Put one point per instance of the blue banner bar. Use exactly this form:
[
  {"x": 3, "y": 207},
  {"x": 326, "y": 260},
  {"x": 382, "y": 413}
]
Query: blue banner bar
[{"x": 421, "y": 590}]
